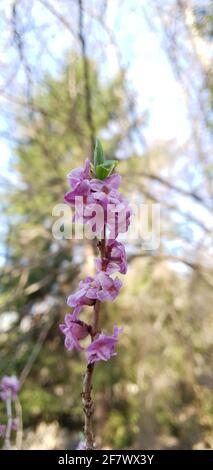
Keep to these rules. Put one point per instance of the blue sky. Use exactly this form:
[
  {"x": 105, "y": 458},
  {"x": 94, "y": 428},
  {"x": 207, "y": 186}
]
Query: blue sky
[{"x": 150, "y": 74}]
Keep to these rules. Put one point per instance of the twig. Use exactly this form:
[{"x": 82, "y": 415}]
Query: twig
[
  {"x": 18, "y": 39},
  {"x": 87, "y": 400},
  {"x": 173, "y": 187},
  {"x": 88, "y": 407},
  {"x": 19, "y": 434},
  {"x": 7, "y": 443},
  {"x": 61, "y": 18},
  {"x": 36, "y": 350}
]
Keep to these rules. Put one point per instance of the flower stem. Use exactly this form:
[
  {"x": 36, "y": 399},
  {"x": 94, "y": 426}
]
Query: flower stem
[
  {"x": 88, "y": 404},
  {"x": 19, "y": 433},
  {"x": 88, "y": 407},
  {"x": 7, "y": 443}
]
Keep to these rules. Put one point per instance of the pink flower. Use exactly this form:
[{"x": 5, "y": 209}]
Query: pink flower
[
  {"x": 106, "y": 190},
  {"x": 103, "y": 347},
  {"x": 9, "y": 387},
  {"x": 14, "y": 424},
  {"x": 118, "y": 218},
  {"x": 109, "y": 287},
  {"x": 101, "y": 287},
  {"x": 77, "y": 175},
  {"x": 81, "y": 189},
  {"x": 2, "y": 430},
  {"x": 86, "y": 193},
  {"x": 86, "y": 294},
  {"x": 99, "y": 204},
  {"x": 81, "y": 446},
  {"x": 74, "y": 330},
  {"x": 114, "y": 259},
  {"x": 80, "y": 183}
]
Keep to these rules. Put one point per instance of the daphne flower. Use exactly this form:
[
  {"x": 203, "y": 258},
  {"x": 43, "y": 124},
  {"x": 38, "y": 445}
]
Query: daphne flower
[
  {"x": 103, "y": 347},
  {"x": 99, "y": 204},
  {"x": 118, "y": 218},
  {"x": 106, "y": 190},
  {"x": 108, "y": 184},
  {"x": 114, "y": 259},
  {"x": 86, "y": 294},
  {"x": 101, "y": 287},
  {"x": 9, "y": 387},
  {"x": 82, "y": 189},
  {"x": 77, "y": 175},
  {"x": 14, "y": 424},
  {"x": 109, "y": 287},
  {"x": 74, "y": 331},
  {"x": 80, "y": 184},
  {"x": 81, "y": 446}
]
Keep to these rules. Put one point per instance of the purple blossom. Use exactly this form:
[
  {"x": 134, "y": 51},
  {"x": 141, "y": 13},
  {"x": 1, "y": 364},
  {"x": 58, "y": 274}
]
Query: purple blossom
[
  {"x": 113, "y": 216},
  {"x": 74, "y": 330},
  {"x": 114, "y": 259},
  {"x": 109, "y": 288},
  {"x": 103, "y": 346},
  {"x": 118, "y": 218},
  {"x": 101, "y": 287},
  {"x": 78, "y": 175},
  {"x": 2, "y": 430},
  {"x": 112, "y": 219},
  {"x": 86, "y": 294},
  {"x": 107, "y": 190},
  {"x": 81, "y": 446},
  {"x": 82, "y": 189},
  {"x": 86, "y": 193},
  {"x": 79, "y": 181},
  {"x": 14, "y": 424},
  {"x": 9, "y": 387},
  {"x": 99, "y": 204}
]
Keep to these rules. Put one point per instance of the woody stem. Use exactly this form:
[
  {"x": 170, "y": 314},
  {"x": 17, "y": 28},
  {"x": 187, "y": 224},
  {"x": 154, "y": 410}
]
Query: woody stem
[
  {"x": 7, "y": 443},
  {"x": 87, "y": 400}
]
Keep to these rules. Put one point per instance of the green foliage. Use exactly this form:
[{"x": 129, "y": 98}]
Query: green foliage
[
  {"x": 98, "y": 154},
  {"x": 103, "y": 168}
]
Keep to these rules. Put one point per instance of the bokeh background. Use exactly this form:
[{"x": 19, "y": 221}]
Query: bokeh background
[{"x": 137, "y": 74}]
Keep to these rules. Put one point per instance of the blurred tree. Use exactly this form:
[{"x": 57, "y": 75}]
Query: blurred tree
[{"x": 204, "y": 27}]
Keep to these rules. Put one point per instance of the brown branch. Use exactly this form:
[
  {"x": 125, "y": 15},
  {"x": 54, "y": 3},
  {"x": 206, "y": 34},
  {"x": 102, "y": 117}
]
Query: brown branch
[
  {"x": 7, "y": 442},
  {"x": 19, "y": 434},
  {"x": 88, "y": 407},
  {"x": 61, "y": 18},
  {"x": 87, "y": 400},
  {"x": 88, "y": 404},
  {"x": 172, "y": 207},
  {"x": 197, "y": 267},
  {"x": 36, "y": 349},
  {"x": 18, "y": 39},
  {"x": 173, "y": 187}
]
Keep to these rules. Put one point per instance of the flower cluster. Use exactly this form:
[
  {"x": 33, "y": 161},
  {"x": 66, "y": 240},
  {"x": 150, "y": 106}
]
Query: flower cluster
[
  {"x": 89, "y": 195},
  {"x": 14, "y": 427},
  {"x": 9, "y": 387},
  {"x": 81, "y": 446}
]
